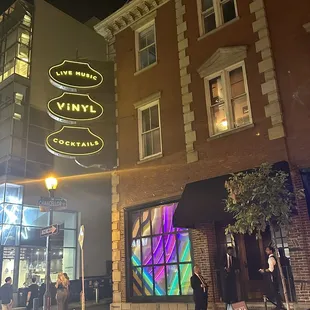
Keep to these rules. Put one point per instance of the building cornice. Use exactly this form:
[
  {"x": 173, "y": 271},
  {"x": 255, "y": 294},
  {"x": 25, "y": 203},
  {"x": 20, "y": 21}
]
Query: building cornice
[{"x": 126, "y": 16}]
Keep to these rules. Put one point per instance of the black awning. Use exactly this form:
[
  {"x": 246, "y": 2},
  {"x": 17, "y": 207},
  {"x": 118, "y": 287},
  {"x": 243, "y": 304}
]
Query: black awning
[{"x": 204, "y": 201}]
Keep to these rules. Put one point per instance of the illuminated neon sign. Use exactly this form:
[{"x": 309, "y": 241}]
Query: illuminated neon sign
[
  {"x": 71, "y": 108},
  {"x": 73, "y": 75},
  {"x": 72, "y": 142}
]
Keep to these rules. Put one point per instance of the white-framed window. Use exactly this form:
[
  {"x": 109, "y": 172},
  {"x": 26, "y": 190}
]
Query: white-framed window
[
  {"x": 150, "y": 143},
  {"x": 227, "y": 95},
  {"x": 146, "y": 53},
  {"x": 214, "y": 13}
]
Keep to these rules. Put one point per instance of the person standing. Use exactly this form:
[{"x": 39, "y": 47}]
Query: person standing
[
  {"x": 272, "y": 279},
  {"x": 33, "y": 292},
  {"x": 62, "y": 291},
  {"x": 229, "y": 268},
  {"x": 200, "y": 289},
  {"x": 7, "y": 294},
  {"x": 68, "y": 296}
]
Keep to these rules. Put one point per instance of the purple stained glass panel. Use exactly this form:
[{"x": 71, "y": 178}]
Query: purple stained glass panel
[
  {"x": 158, "y": 250},
  {"x": 168, "y": 212},
  {"x": 184, "y": 247},
  {"x": 170, "y": 248},
  {"x": 160, "y": 280},
  {"x": 145, "y": 223},
  {"x": 157, "y": 226}
]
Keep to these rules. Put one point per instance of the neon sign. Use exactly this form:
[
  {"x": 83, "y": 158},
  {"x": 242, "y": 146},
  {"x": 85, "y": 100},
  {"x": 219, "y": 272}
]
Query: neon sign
[
  {"x": 73, "y": 75},
  {"x": 72, "y": 142},
  {"x": 71, "y": 108}
]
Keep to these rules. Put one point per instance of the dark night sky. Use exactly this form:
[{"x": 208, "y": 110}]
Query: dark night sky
[{"x": 83, "y": 10}]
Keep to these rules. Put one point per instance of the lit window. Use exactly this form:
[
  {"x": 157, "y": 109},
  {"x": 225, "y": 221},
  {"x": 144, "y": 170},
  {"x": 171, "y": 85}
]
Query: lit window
[
  {"x": 161, "y": 260},
  {"x": 21, "y": 68},
  {"x": 146, "y": 46},
  {"x": 27, "y": 21},
  {"x": 8, "y": 69},
  {"x": 23, "y": 52},
  {"x": 149, "y": 130},
  {"x": 215, "y": 13},
  {"x": 228, "y": 100},
  {"x": 17, "y": 116},
  {"x": 23, "y": 36},
  {"x": 19, "y": 98}
]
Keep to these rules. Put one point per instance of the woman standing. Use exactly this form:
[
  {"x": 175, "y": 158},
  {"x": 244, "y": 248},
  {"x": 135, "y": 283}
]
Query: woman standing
[
  {"x": 62, "y": 291},
  {"x": 68, "y": 290}
]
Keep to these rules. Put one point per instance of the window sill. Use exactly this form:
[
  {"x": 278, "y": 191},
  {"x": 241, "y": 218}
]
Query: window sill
[
  {"x": 145, "y": 160},
  {"x": 230, "y": 132},
  {"x": 218, "y": 28},
  {"x": 145, "y": 69}
]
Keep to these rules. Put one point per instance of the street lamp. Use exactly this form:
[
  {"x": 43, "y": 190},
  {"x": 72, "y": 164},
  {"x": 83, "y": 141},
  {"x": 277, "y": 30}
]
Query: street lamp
[{"x": 51, "y": 185}]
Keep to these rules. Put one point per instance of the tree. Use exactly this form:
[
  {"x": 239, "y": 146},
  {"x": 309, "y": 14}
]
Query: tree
[{"x": 259, "y": 199}]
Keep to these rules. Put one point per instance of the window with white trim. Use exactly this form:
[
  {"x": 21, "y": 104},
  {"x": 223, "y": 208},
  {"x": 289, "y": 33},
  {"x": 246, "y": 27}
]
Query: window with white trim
[
  {"x": 228, "y": 101},
  {"x": 215, "y": 13},
  {"x": 146, "y": 46},
  {"x": 149, "y": 130}
]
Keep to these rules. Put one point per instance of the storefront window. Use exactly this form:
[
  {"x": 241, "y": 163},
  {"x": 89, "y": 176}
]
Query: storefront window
[
  {"x": 161, "y": 260},
  {"x": 10, "y": 235},
  {"x": 8, "y": 263}
]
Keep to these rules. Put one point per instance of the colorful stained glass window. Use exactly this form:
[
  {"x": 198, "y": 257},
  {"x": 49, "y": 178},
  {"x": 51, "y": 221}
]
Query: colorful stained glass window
[{"x": 161, "y": 259}]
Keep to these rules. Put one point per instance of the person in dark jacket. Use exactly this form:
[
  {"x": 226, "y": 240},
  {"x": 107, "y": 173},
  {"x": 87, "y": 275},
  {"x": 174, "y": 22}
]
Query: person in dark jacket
[
  {"x": 7, "y": 294},
  {"x": 33, "y": 292},
  {"x": 229, "y": 268},
  {"x": 272, "y": 279},
  {"x": 200, "y": 290}
]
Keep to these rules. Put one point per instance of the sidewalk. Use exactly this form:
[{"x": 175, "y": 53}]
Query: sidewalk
[{"x": 103, "y": 304}]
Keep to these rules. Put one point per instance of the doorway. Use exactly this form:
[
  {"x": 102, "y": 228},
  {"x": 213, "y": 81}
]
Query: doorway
[{"x": 251, "y": 255}]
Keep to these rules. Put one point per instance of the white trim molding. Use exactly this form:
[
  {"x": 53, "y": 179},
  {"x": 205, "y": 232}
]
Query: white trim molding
[
  {"x": 307, "y": 27},
  {"x": 186, "y": 80},
  {"x": 126, "y": 16},
  {"x": 147, "y": 100},
  {"x": 224, "y": 57},
  {"x": 266, "y": 67}
]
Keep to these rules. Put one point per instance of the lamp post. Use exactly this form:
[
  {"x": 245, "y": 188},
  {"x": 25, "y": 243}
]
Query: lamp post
[{"x": 51, "y": 185}]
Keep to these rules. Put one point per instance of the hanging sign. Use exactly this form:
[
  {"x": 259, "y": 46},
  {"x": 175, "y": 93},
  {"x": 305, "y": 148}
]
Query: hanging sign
[
  {"x": 72, "y": 142},
  {"x": 71, "y": 108},
  {"x": 81, "y": 236},
  {"x": 72, "y": 75}
]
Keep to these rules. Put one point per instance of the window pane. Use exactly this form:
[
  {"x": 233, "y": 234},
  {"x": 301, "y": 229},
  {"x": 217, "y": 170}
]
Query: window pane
[
  {"x": 206, "y": 4},
  {"x": 241, "y": 111},
  {"x": 69, "y": 262},
  {"x": 154, "y": 117},
  {"x": 173, "y": 280},
  {"x": 160, "y": 280},
  {"x": 33, "y": 217},
  {"x": 151, "y": 54},
  {"x": 147, "y": 37},
  {"x": 216, "y": 91},
  {"x": 146, "y": 125},
  {"x": 69, "y": 238},
  {"x": 21, "y": 68},
  {"x": 66, "y": 219},
  {"x": 23, "y": 52},
  {"x": 10, "y": 54},
  {"x": 144, "y": 60},
  {"x": 219, "y": 120},
  {"x": 8, "y": 265},
  {"x": 145, "y": 223},
  {"x": 157, "y": 226},
  {"x": 147, "y": 144},
  {"x": 185, "y": 274},
  {"x": 184, "y": 247},
  {"x": 229, "y": 11},
  {"x": 168, "y": 212},
  {"x": 156, "y": 141},
  {"x": 2, "y": 190},
  {"x": 10, "y": 235},
  {"x": 209, "y": 22},
  {"x": 8, "y": 69},
  {"x": 11, "y": 38},
  {"x": 236, "y": 82},
  {"x": 14, "y": 193},
  {"x": 137, "y": 281},
  {"x": 12, "y": 214},
  {"x": 31, "y": 236},
  {"x": 170, "y": 248},
  {"x": 136, "y": 231},
  {"x": 148, "y": 281},
  {"x": 158, "y": 250},
  {"x": 136, "y": 252},
  {"x": 24, "y": 36},
  {"x": 146, "y": 251}
]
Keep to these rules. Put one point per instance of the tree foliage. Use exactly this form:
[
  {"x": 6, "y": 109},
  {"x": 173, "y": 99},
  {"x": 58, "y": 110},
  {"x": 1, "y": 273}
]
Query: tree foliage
[{"x": 257, "y": 199}]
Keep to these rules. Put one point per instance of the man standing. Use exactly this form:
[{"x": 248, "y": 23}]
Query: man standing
[
  {"x": 272, "y": 278},
  {"x": 33, "y": 292},
  {"x": 230, "y": 267},
  {"x": 7, "y": 294},
  {"x": 200, "y": 288}
]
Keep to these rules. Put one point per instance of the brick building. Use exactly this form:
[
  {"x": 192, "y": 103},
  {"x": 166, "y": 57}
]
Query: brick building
[{"x": 203, "y": 89}]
